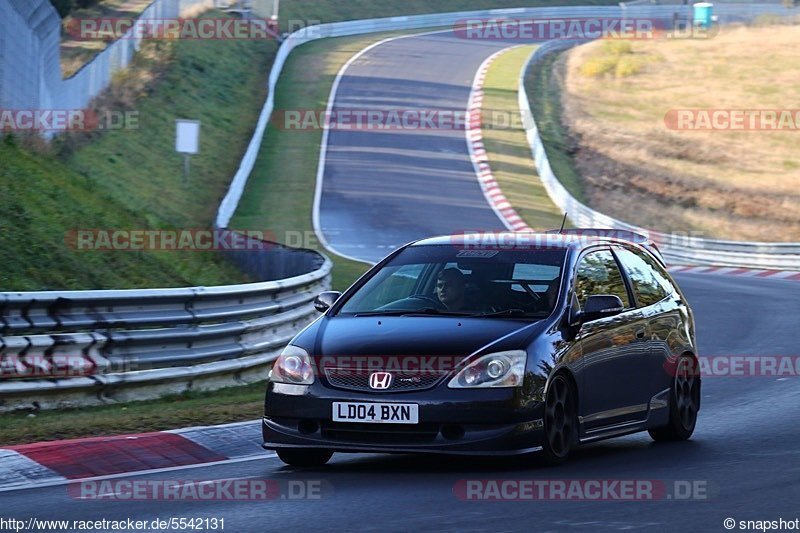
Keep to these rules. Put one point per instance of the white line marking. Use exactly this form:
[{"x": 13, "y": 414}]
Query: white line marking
[{"x": 323, "y": 149}]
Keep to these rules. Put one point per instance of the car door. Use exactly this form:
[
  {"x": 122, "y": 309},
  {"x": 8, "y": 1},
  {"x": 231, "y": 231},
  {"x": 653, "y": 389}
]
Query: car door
[
  {"x": 660, "y": 304},
  {"x": 614, "y": 348}
]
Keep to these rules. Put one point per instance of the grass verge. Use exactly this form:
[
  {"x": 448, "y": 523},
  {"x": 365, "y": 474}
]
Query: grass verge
[
  {"x": 131, "y": 178},
  {"x": 544, "y": 94},
  {"x": 233, "y": 404},
  {"x": 336, "y": 10},
  {"x": 507, "y": 146}
]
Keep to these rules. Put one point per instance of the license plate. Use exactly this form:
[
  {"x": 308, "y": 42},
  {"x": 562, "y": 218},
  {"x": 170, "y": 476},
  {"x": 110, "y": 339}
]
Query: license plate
[{"x": 376, "y": 413}]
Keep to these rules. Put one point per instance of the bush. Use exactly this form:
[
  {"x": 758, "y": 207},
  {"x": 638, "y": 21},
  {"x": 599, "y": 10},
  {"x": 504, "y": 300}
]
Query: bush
[
  {"x": 64, "y": 7},
  {"x": 598, "y": 66},
  {"x": 628, "y": 66},
  {"x": 617, "y": 47}
]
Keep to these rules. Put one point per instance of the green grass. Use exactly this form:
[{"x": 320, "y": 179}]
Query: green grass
[
  {"x": 233, "y": 404},
  {"x": 337, "y": 10},
  {"x": 507, "y": 148},
  {"x": 131, "y": 178},
  {"x": 41, "y": 199},
  {"x": 221, "y": 84},
  {"x": 544, "y": 93}
]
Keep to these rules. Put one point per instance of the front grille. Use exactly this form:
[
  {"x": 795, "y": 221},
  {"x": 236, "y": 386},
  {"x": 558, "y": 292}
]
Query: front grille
[
  {"x": 402, "y": 380},
  {"x": 390, "y": 434}
]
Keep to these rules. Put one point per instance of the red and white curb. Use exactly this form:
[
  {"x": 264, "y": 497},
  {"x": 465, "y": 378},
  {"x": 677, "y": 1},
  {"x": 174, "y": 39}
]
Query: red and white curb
[
  {"x": 60, "y": 462},
  {"x": 477, "y": 151},
  {"x": 791, "y": 275}
]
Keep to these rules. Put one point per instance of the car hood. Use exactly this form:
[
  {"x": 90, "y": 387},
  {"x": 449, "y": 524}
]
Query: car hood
[{"x": 428, "y": 336}]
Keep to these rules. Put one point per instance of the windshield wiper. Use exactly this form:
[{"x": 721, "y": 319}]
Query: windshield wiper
[
  {"x": 411, "y": 312},
  {"x": 509, "y": 312}
]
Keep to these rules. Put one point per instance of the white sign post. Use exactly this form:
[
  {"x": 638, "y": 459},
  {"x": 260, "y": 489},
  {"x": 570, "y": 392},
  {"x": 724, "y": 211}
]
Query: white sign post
[{"x": 187, "y": 140}]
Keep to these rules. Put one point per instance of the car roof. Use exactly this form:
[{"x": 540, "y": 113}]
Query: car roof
[{"x": 573, "y": 238}]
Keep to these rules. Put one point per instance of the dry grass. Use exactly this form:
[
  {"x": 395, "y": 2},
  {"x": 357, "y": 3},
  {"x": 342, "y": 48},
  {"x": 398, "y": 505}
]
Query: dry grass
[{"x": 737, "y": 185}]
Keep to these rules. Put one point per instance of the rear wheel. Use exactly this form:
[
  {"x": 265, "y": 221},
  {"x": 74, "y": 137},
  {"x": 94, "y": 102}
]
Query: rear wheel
[
  {"x": 683, "y": 405},
  {"x": 304, "y": 456},
  {"x": 560, "y": 422}
]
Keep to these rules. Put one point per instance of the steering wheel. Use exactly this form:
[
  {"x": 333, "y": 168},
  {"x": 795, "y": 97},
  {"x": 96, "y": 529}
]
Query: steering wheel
[{"x": 427, "y": 298}]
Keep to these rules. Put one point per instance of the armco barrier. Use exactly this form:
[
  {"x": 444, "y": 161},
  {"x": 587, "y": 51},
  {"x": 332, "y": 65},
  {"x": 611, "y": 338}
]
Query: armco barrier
[
  {"x": 89, "y": 347},
  {"x": 689, "y": 251}
]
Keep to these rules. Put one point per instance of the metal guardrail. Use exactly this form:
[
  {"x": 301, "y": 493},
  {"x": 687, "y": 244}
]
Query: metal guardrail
[
  {"x": 84, "y": 347},
  {"x": 678, "y": 250}
]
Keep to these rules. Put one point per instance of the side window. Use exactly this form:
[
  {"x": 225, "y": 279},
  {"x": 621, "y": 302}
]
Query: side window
[
  {"x": 650, "y": 283},
  {"x": 528, "y": 271},
  {"x": 598, "y": 273}
]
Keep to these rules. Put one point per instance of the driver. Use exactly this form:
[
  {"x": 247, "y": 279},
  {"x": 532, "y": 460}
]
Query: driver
[{"x": 450, "y": 289}]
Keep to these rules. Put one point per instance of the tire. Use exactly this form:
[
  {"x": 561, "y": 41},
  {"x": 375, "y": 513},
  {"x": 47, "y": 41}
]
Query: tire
[
  {"x": 560, "y": 422},
  {"x": 304, "y": 456},
  {"x": 684, "y": 403}
]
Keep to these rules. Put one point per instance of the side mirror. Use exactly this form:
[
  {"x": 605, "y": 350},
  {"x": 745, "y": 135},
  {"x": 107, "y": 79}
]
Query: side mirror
[
  {"x": 600, "y": 306},
  {"x": 325, "y": 300}
]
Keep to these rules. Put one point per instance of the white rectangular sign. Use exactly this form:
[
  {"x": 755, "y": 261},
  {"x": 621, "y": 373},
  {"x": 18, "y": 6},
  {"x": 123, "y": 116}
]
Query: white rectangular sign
[{"x": 187, "y": 136}]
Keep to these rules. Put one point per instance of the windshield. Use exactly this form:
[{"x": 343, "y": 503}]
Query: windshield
[{"x": 446, "y": 280}]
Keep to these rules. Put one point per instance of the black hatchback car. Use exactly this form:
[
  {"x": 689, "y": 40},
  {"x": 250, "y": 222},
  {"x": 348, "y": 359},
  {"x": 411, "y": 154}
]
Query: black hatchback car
[{"x": 512, "y": 344}]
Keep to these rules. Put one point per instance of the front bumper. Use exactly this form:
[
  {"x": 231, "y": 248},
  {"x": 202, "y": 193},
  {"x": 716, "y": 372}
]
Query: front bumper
[{"x": 465, "y": 422}]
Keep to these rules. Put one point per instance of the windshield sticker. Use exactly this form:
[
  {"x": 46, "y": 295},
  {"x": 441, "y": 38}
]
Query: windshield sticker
[{"x": 477, "y": 254}]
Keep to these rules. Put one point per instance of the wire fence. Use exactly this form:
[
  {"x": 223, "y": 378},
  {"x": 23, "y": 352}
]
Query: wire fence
[{"x": 30, "y": 56}]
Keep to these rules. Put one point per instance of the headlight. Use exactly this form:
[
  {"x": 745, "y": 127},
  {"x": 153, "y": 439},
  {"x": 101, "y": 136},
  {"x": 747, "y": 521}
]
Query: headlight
[
  {"x": 293, "y": 366},
  {"x": 501, "y": 369}
]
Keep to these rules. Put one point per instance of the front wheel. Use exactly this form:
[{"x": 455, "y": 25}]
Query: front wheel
[
  {"x": 683, "y": 405},
  {"x": 560, "y": 422},
  {"x": 304, "y": 456}
]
